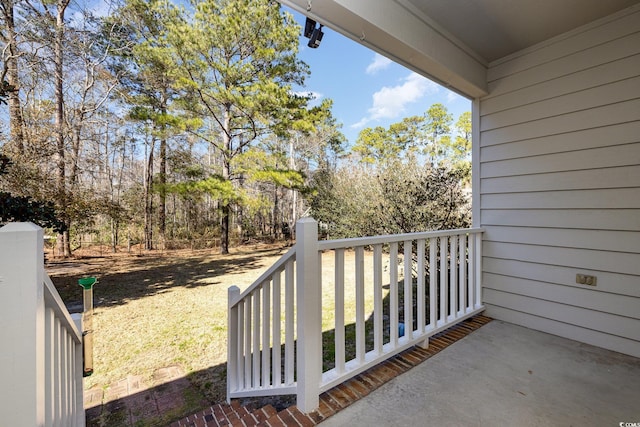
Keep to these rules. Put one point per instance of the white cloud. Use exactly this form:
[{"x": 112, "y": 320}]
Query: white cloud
[
  {"x": 379, "y": 63},
  {"x": 390, "y": 101},
  {"x": 361, "y": 123}
]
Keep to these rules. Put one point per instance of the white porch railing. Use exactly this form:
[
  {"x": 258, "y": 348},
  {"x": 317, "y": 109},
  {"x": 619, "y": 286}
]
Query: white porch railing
[
  {"x": 406, "y": 288},
  {"x": 41, "y": 355}
]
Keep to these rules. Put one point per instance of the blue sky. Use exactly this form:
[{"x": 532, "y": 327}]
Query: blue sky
[{"x": 367, "y": 89}]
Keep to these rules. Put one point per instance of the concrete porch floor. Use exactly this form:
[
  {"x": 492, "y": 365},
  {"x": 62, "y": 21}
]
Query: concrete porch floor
[{"x": 507, "y": 375}]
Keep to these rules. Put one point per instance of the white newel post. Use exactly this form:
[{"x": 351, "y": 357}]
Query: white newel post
[
  {"x": 22, "y": 353},
  {"x": 80, "y": 414},
  {"x": 309, "y": 322},
  {"x": 232, "y": 340}
]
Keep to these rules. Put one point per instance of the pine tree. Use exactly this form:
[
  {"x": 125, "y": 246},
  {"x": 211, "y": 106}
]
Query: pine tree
[{"x": 236, "y": 60}]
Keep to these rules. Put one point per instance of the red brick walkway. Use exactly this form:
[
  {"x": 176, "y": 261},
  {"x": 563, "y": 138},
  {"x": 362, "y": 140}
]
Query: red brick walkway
[{"x": 130, "y": 401}]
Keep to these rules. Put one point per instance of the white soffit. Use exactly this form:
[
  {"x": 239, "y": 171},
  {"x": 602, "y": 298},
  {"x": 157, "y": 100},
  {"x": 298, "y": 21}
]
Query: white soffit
[{"x": 494, "y": 29}]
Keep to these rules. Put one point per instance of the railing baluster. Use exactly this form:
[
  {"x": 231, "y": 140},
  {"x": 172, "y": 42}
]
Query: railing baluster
[
  {"x": 478, "y": 270},
  {"x": 276, "y": 352},
  {"x": 72, "y": 395},
  {"x": 266, "y": 337},
  {"x": 57, "y": 368},
  {"x": 49, "y": 348},
  {"x": 256, "y": 338},
  {"x": 393, "y": 293},
  {"x": 360, "y": 332},
  {"x": 421, "y": 296},
  {"x": 240, "y": 369},
  {"x": 57, "y": 378},
  {"x": 69, "y": 378},
  {"x": 472, "y": 268},
  {"x": 289, "y": 375},
  {"x": 339, "y": 311},
  {"x": 319, "y": 282},
  {"x": 453, "y": 274},
  {"x": 79, "y": 416},
  {"x": 444, "y": 278},
  {"x": 74, "y": 392},
  {"x": 462, "y": 275},
  {"x": 247, "y": 342},
  {"x": 377, "y": 299},
  {"x": 72, "y": 400},
  {"x": 63, "y": 377},
  {"x": 66, "y": 403},
  {"x": 408, "y": 289},
  {"x": 433, "y": 278}
]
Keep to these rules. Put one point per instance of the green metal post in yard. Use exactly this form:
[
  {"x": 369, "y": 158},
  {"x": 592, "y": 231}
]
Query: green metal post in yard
[{"x": 87, "y": 322}]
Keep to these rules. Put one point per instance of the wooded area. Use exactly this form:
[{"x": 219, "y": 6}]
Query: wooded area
[{"x": 156, "y": 124}]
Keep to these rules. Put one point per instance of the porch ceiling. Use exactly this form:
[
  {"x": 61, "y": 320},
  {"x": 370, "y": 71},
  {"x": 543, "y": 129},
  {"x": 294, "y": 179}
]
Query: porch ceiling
[
  {"x": 496, "y": 28},
  {"x": 454, "y": 41}
]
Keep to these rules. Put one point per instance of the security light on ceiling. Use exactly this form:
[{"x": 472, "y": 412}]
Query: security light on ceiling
[
  {"x": 309, "y": 26},
  {"x": 312, "y": 33},
  {"x": 316, "y": 38}
]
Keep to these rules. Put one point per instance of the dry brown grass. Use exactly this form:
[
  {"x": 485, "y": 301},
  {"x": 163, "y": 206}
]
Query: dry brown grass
[{"x": 159, "y": 310}]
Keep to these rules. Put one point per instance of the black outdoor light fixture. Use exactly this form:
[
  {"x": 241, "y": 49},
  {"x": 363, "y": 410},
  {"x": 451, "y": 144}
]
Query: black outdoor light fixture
[
  {"x": 309, "y": 26},
  {"x": 312, "y": 33}
]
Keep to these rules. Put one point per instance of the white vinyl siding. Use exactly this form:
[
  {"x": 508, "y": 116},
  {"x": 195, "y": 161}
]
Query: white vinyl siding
[{"x": 560, "y": 185}]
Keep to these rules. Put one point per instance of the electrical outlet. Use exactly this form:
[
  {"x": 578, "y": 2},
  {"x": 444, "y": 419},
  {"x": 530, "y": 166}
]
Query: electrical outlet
[{"x": 584, "y": 279}]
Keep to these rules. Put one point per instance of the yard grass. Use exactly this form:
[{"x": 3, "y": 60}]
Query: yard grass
[
  {"x": 160, "y": 310},
  {"x": 170, "y": 309}
]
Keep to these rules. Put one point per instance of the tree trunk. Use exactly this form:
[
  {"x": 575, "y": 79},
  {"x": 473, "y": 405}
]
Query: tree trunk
[
  {"x": 75, "y": 154},
  {"x": 148, "y": 201},
  {"x": 16, "y": 121},
  {"x": 64, "y": 247},
  {"x": 162, "y": 203},
  {"x": 275, "y": 228},
  {"x": 114, "y": 236},
  {"x": 226, "y": 173},
  {"x": 294, "y": 197},
  {"x": 224, "y": 230},
  {"x": 162, "y": 177},
  {"x": 239, "y": 210}
]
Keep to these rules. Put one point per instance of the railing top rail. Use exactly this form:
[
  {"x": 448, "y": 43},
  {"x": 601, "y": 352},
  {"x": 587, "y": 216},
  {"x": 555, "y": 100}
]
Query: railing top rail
[
  {"x": 52, "y": 299},
  {"x": 374, "y": 240},
  {"x": 267, "y": 274}
]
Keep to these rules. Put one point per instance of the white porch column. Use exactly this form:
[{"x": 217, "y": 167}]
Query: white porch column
[
  {"x": 309, "y": 321},
  {"x": 22, "y": 358},
  {"x": 475, "y": 164}
]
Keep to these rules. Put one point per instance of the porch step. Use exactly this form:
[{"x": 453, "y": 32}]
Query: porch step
[{"x": 338, "y": 397}]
